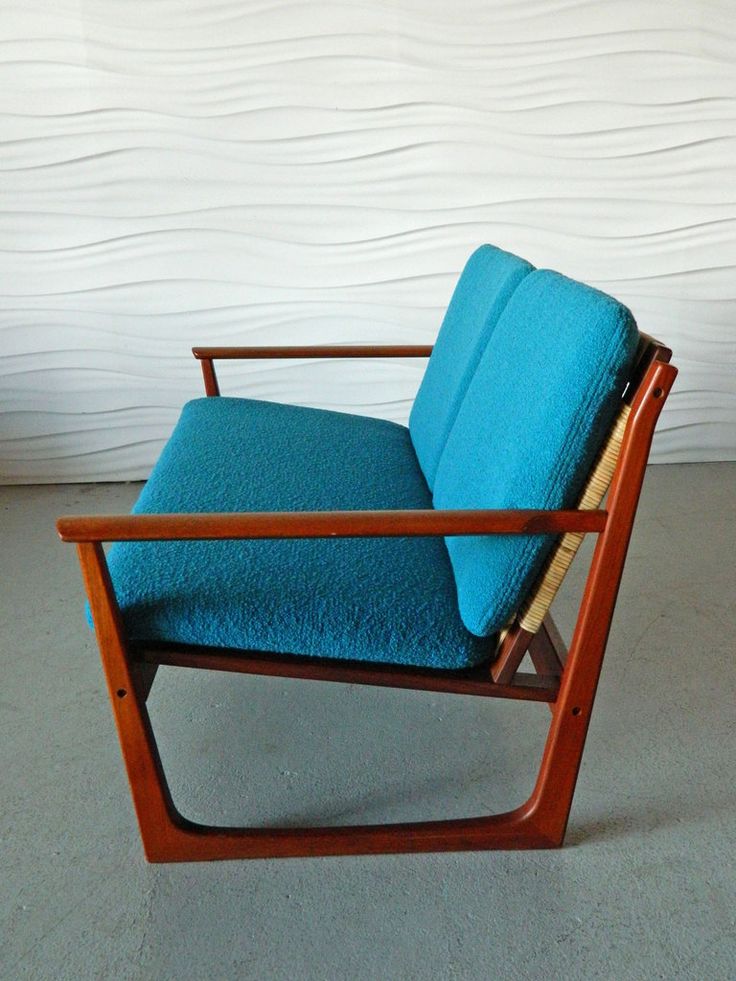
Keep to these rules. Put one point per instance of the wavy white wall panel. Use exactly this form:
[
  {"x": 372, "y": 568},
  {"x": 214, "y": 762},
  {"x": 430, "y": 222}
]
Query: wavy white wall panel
[{"x": 182, "y": 171}]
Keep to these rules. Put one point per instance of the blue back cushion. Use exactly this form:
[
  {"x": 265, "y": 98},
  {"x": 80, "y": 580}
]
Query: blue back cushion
[
  {"x": 537, "y": 409},
  {"x": 488, "y": 280}
]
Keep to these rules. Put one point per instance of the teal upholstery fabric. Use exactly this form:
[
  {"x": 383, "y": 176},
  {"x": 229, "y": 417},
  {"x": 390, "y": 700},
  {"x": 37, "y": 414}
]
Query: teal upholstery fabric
[
  {"x": 488, "y": 280},
  {"x": 537, "y": 409},
  {"x": 388, "y": 600}
]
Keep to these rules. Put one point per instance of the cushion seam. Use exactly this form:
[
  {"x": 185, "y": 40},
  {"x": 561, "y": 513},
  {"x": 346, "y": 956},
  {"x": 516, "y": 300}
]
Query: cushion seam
[{"x": 475, "y": 369}]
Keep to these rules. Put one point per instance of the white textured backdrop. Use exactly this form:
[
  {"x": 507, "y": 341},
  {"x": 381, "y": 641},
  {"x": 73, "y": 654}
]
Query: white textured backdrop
[{"x": 253, "y": 171}]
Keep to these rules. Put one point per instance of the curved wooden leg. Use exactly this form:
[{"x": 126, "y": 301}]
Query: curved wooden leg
[
  {"x": 183, "y": 842},
  {"x": 168, "y": 837}
]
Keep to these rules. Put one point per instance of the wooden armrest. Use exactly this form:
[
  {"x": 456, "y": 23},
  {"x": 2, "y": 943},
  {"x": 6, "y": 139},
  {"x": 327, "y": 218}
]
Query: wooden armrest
[
  {"x": 313, "y": 351},
  {"x": 206, "y": 355},
  {"x": 323, "y": 524}
]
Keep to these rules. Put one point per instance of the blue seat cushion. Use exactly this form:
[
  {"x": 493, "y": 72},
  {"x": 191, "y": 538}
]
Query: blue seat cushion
[
  {"x": 389, "y": 600},
  {"x": 489, "y": 278},
  {"x": 538, "y": 408}
]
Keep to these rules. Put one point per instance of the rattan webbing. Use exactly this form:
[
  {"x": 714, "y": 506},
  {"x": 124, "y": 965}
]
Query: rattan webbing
[{"x": 545, "y": 589}]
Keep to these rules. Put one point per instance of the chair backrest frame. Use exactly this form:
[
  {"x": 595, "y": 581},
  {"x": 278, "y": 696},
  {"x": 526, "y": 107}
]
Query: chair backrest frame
[
  {"x": 551, "y": 799},
  {"x": 517, "y": 638}
]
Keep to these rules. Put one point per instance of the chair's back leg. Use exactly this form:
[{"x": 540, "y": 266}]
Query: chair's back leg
[{"x": 549, "y": 805}]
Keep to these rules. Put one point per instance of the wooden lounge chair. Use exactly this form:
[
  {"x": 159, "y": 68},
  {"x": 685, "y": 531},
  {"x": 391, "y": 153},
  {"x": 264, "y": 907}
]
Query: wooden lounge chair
[{"x": 288, "y": 541}]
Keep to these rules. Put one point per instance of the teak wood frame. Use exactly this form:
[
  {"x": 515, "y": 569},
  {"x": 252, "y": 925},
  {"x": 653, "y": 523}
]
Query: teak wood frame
[{"x": 567, "y": 682}]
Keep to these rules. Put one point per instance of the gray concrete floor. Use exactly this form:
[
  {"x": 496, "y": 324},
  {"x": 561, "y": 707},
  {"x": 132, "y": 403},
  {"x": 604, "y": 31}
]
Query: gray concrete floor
[{"x": 644, "y": 888}]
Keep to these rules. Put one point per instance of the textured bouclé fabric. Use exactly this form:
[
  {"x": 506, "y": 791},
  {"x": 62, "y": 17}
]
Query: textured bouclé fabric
[
  {"x": 537, "y": 409},
  {"x": 386, "y": 600},
  {"x": 488, "y": 280}
]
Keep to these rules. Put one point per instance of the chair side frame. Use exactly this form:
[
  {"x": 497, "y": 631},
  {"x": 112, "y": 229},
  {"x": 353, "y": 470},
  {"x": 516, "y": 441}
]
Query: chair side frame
[{"x": 567, "y": 683}]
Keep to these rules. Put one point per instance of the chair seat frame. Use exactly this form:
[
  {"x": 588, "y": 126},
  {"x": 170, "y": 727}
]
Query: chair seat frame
[{"x": 567, "y": 682}]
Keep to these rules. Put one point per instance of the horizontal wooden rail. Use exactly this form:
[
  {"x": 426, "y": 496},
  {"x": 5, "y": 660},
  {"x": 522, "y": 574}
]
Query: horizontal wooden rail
[
  {"x": 314, "y": 351},
  {"x": 471, "y": 681},
  {"x": 323, "y": 524}
]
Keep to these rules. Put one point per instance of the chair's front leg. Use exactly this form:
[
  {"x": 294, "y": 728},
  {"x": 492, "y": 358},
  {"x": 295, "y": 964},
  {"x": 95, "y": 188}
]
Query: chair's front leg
[{"x": 128, "y": 687}]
